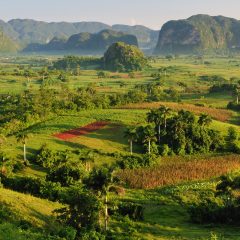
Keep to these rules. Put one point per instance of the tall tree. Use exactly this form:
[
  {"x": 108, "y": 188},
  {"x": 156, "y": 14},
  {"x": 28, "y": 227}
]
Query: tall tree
[
  {"x": 131, "y": 134},
  {"x": 22, "y": 138},
  {"x": 82, "y": 209},
  {"x": 149, "y": 136},
  {"x": 166, "y": 112},
  {"x": 156, "y": 117},
  {"x": 236, "y": 93},
  {"x": 102, "y": 180}
]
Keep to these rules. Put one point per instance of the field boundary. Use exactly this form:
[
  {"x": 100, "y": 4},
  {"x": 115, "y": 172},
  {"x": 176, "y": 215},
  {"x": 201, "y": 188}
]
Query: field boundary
[{"x": 222, "y": 115}]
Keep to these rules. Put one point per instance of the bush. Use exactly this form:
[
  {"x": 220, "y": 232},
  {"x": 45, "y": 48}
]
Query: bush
[
  {"x": 68, "y": 233},
  {"x": 47, "y": 158},
  {"x": 82, "y": 211},
  {"x": 133, "y": 210},
  {"x": 164, "y": 150},
  {"x": 233, "y": 106},
  {"x": 131, "y": 162},
  {"x": 214, "y": 212},
  {"x": 67, "y": 174},
  {"x": 23, "y": 184}
]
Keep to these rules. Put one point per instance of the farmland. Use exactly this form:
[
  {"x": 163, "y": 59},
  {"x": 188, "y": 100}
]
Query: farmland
[{"x": 87, "y": 130}]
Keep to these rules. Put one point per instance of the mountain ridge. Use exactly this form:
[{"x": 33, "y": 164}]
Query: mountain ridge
[
  {"x": 28, "y": 31},
  {"x": 84, "y": 42}
]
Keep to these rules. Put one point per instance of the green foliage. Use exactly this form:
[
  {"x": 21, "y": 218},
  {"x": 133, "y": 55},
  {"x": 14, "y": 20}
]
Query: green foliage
[
  {"x": 133, "y": 210},
  {"x": 67, "y": 173},
  {"x": 218, "y": 80},
  {"x": 27, "y": 185},
  {"x": 74, "y": 62},
  {"x": 122, "y": 57},
  {"x": 100, "y": 179},
  {"x": 82, "y": 211},
  {"x": 232, "y": 143},
  {"x": 224, "y": 208},
  {"x": 102, "y": 74},
  {"x": 180, "y": 133}
]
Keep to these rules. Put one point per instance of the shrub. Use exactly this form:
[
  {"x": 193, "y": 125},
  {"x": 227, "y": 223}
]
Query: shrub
[
  {"x": 164, "y": 150},
  {"x": 68, "y": 233},
  {"x": 82, "y": 211},
  {"x": 133, "y": 210},
  {"x": 67, "y": 174},
  {"x": 23, "y": 184}
]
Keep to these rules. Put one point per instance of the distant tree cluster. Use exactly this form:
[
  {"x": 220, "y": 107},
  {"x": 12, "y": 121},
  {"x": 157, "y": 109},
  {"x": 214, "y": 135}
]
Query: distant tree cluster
[
  {"x": 74, "y": 62},
  {"x": 180, "y": 133},
  {"x": 212, "y": 78}
]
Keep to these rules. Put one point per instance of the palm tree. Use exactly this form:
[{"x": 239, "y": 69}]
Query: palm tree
[
  {"x": 156, "y": 116},
  {"x": 204, "y": 120},
  {"x": 149, "y": 136},
  {"x": 236, "y": 93},
  {"x": 165, "y": 111},
  {"x": 87, "y": 160},
  {"x": 186, "y": 116},
  {"x": 101, "y": 180},
  {"x": 131, "y": 134},
  {"x": 22, "y": 138}
]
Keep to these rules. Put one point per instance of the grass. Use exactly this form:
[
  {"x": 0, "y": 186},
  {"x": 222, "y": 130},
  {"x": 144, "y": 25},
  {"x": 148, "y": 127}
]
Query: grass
[
  {"x": 109, "y": 139},
  {"x": 34, "y": 210}
]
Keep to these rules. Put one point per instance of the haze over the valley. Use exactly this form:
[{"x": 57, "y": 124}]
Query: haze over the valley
[{"x": 151, "y": 13}]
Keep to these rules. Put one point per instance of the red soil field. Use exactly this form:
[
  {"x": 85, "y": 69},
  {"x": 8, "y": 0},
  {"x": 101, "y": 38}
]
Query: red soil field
[{"x": 81, "y": 131}]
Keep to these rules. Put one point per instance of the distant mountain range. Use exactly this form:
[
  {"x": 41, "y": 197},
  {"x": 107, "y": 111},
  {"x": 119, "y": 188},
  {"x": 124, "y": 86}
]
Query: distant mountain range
[
  {"x": 195, "y": 35},
  {"x": 199, "y": 34},
  {"x": 84, "y": 42},
  {"x": 27, "y": 31}
]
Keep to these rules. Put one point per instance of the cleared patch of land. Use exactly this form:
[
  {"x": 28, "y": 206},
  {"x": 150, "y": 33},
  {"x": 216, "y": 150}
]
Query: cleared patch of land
[{"x": 81, "y": 131}]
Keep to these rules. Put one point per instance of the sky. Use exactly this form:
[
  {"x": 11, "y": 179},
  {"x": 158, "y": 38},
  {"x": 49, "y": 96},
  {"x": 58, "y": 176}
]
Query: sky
[{"x": 151, "y": 13}]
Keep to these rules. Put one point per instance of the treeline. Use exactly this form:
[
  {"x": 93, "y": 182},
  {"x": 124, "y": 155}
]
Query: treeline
[
  {"x": 22, "y": 110},
  {"x": 73, "y": 62},
  {"x": 232, "y": 88}
]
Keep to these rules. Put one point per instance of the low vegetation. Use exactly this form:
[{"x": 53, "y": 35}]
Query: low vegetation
[{"x": 136, "y": 152}]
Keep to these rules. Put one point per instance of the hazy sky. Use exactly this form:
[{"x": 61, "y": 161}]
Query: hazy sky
[{"x": 151, "y": 13}]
